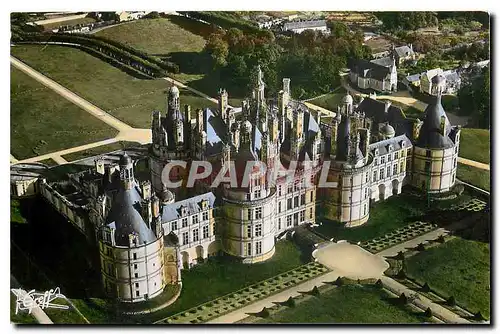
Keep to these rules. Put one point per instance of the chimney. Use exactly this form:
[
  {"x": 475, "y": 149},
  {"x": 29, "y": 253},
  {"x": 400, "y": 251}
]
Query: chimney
[
  {"x": 387, "y": 105},
  {"x": 365, "y": 141},
  {"x": 155, "y": 204},
  {"x": 147, "y": 212},
  {"x": 187, "y": 113},
  {"x": 442, "y": 125},
  {"x": 99, "y": 166}
]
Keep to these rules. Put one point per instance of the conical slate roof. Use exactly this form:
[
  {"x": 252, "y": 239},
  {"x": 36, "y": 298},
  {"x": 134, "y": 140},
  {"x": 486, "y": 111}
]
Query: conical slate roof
[
  {"x": 430, "y": 133},
  {"x": 126, "y": 214}
]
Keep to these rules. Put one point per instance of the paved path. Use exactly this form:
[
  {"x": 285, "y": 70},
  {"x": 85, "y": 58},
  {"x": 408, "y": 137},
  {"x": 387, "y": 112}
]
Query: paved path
[{"x": 473, "y": 163}]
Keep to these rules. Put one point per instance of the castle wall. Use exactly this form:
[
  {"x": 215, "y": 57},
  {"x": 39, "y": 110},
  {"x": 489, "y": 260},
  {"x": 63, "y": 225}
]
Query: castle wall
[{"x": 133, "y": 274}]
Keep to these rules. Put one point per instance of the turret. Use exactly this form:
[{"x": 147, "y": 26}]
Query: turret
[
  {"x": 126, "y": 172},
  {"x": 99, "y": 166},
  {"x": 173, "y": 99},
  {"x": 333, "y": 134},
  {"x": 222, "y": 103}
]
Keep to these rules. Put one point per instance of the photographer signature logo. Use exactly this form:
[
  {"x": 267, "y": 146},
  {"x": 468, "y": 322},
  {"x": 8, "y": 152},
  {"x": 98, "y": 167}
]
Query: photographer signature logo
[{"x": 32, "y": 299}]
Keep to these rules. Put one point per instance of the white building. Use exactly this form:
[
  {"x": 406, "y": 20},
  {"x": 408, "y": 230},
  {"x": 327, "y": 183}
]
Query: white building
[{"x": 300, "y": 26}]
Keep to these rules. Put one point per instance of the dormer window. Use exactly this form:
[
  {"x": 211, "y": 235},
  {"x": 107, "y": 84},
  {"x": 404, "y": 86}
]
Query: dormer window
[
  {"x": 204, "y": 204},
  {"x": 376, "y": 151},
  {"x": 183, "y": 210},
  {"x": 390, "y": 148},
  {"x": 403, "y": 144}
]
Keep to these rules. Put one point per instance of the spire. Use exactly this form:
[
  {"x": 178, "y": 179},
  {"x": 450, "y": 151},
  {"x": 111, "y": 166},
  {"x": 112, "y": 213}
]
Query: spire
[{"x": 126, "y": 171}]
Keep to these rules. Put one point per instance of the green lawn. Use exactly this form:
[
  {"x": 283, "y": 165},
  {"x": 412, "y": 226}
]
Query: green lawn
[
  {"x": 155, "y": 36},
  {"x": 330, "y": 101},
  {"x": 130, "y": 99},
  {"x": 355, "y": 304},
  {"x": 15, "y": 212},
  {"x": 385, "y": 216},
  {"x": 475, "y": 176},
  {"x": 42, "y": 121},
  {"x": 459, "y": 268},
  {"x": 83, "y": 20},
  {"x": 49, "y": 162},
  {"x": 100, "y": 150},
  {"x": 220, "y": 276},
  {"x": 22, "y": 317},
  {"x": 69, "y": 316},
  {"x": 475, "y": 145}
]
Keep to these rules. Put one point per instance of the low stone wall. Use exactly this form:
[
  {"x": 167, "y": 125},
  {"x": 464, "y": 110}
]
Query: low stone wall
[{"x": 157, "y": 308}]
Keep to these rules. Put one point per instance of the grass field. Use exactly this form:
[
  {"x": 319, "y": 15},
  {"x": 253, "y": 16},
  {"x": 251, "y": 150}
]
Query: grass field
[
  {"x": 475, "y": 145},
  {"x": 100, "y": 150},
  {"x": 330, "y": 101},
  {"x": 83, "y": 20},
  {"x": 22, "y": 317},
  {"x": 127, "y": 98},
  {"x": 49, "y": 162},
  {"x": 459, "y": 268},
  {"x": 221, "y": 276},
  {"x": 386, "y": 216},
  {"x": 44, "y": 122},
  {"x": 155, "y": 36},
  {"x": 347, "y": 304},
  {"x": 475, "y": 176}
]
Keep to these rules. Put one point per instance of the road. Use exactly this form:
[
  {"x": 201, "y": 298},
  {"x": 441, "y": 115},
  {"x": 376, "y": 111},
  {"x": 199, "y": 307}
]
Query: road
[
  {"x": 61, "y": 19},
  {"x": 473, "y": 163}
]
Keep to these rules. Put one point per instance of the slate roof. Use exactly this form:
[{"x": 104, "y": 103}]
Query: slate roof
[
  {"x": 173, "y": 211},
  {"x": 413, "y": 78},
  {"x": 403, "y": 51},
  {"x": 343, "y": 140},
  {"x": 383, "y": 145},
  {"x": 216, "y": 130},
  {"x": 385, "y": 61},
  {"x": 369, "y": 69},
  {"x": 451, "y": 76},
  {"x": 125, "y": 213},
  {"x": 304, "y": 24},
  {"x": 430, "y": 135}
]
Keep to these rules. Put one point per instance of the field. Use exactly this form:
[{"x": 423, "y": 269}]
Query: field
[
  {"x": 346, "y": 304},
  {"x": 42, "y": 121},
  {"x": 475, "y": 145},
  {"x": 129, "y": 99},
  {"x": 330, "y": 101},
  {"x": 83, "y": 20},
  {"x": 155, "y": 36},
  {"x": 221, "y": 276},
  {"x": 459, "y": 268},
  {"x": 386, "y": 216},
  {"x": 475, "y": 176}
]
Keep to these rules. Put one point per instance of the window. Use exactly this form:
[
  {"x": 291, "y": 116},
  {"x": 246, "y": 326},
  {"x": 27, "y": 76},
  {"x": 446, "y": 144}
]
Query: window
[
  {"x": 303, "y": 199},
  {"x": 310, "y": 213},
  {"x": 137, "y": 293},
  {"x": 453, "y": 178},
  {"x": 381, "y": 173},
  {"x": 396, "y": 155},
  {"x": 205, "y": 215},
  {"x": 135, "y": 256},
  {"x": 366, "y": 177},
  {"x": 279, "y": 223},
  {"x": 296, "y": 186},
  {"x": 279, "y": 206},
  {"x": 375, "y": 162},
  {"x": 382, "y": 160},
  {"x": 302, "y": 215},
  {"x": 394, "y": 169},
  {"x": 258, "y": 247},
  {"x": 427, "y": 166},
  {"x": 364, "y": 209},
  {"x": 195, "y": 219},
  {"x": 428, "y": 153},
  {"x": 389, "y": 157},
  {"x": 196, "y": 235},
  {"x": 401, "y": 167},
  {"x": 289, "y": 204},
  {"x": 455, "y": 162},
  {"x": 258, "y": 230},
  {"x": 249, "y": 249},
  {"x": 249, "y": 214},
  {"x": 135, "y": 266},
  {"x": 296, "y": 201},
  {"x": 249, "y": 231},
  {"x": 185, "y": 238},
  {"x": 205, "y": 231},
  {"x": 366, "y": 193},
  {"x": 184, "y": 222},
  {"x": 257, "y": 193},
  {"x": 289, "y": 221},
  {"x": 174, "y": 225},
  {"x": 137, "y": 285},
  {"x": 289, "y": 188},
  {"x": 374, "y": 176},
  {"x": 279, "y": 190},
  {"x": 136, "y": 275},
  {"x": 258, "y": 213},
  {"x": 388, "y": 171}
]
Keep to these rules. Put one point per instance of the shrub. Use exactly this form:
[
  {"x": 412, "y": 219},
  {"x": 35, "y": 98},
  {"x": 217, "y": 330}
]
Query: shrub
[
  {"x": 479, "y": 316},
  {"x": 315, "y": 291},
  {"x": 290, "y": 302},
  {"x": 403, "y": 299},
  {"x": 379, "y": 284},
  {"x": 264, "y": 313},
  {"x": 420, "y": 247},
  {"x": 339, "y": 281},
  {"x": 425, "y": 288},
  {"x": 451, "y": 301},
  {"x": 401, "y": 274}
]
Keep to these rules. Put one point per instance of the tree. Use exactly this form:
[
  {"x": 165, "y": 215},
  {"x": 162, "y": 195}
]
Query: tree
[
  {"x": 474, "y": 99},
  {"x": 218, "y": 49}
]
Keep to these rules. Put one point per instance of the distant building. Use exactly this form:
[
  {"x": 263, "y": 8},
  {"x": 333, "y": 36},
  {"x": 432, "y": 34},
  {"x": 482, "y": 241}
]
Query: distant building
[
  {"x": 129, "y": 16},
  {"x": 370, "y": 75},
  {"x": 402, "y": 54},
  {"x": 300, "y": 26},
  {"x": 451, "y": 84}
]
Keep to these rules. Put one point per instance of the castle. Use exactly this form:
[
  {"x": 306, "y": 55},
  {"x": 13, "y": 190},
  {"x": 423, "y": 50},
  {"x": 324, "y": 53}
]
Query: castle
[{"x": 147, "y": 232}]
